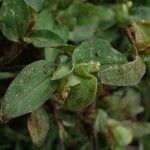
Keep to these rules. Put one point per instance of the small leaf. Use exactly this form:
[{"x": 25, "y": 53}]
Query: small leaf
[
  {"x": 65, "y": 19},
  {"x": 101, "y": 120},
  {"x": 87, "y": 12},
  {"x": 62, "y": 71},
  {"x": 81, "y": 95},
  {"x": 66, "y": 84},
  {"x": 35, "y": 4},
  {"x": 139, "y": 129},
  {"x": 38, "y": 126},
  {"x": 14, "y": 18},
  {"x": 98, "y": 50},
  {"x": 44, "y": 38},
  {"x": 122, "y": 14},
  {"x": 122, "y": 135},
  {"x": 72, "y": 80},
  {"x": 125, "y": 74},
  {"x": 29, "y": 90},
  {"x": 65, "y": 67},
  {"x": 84, "y": 69}
]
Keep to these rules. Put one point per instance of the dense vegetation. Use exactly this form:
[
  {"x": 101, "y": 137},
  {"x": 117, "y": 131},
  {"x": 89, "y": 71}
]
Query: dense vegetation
[{"x": 74, "y": 75}]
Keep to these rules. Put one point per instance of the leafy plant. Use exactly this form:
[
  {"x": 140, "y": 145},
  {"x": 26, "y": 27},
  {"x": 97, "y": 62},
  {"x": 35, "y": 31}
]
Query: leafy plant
[{"x": 84, "y": 83}]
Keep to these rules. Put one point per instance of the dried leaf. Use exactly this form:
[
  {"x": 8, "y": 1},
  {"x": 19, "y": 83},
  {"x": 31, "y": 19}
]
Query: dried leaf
[{"x": 38, "y": 126}]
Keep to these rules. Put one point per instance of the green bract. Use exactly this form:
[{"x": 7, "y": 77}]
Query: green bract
[{"x": 81, "y": 95}]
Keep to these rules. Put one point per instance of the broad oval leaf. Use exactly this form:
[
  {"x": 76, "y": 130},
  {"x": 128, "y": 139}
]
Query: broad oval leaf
[
  {"x": 81, "y": 95},
  {"x": 29, "y": 90},
  {"x": 15, "y": 17},
  {"x": 98, "y": 50},
  {"x": 125, "y": 74},
  {"x": 38, "y": 126},
  {"x": 35, "y": 4}
]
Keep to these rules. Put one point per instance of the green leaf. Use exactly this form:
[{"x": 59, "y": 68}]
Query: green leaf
[
  {"x": 139, "y": 129},
  {"x": 81, "y": 95},
  {"x": 101, "y": 120},
  {"x": 65, "y": 19},
  {"x": 51, "y": 54},
  {"x": 88, "y": 17},
  {"x": 124, "y": 104},
  {"x": 65, "y": 67},
  {"x": 35, "y": 4},
  {"x": 87, "y": 31},
  {"x": 66, "y": 84},
  {"x": 98, "y": 50},
  {"x": 125, "y": 74},
  {"x": 63, "y": 70},
  {"x": 15, "y": 19},
  {"x": 29, "y": 90},
  {"x": 140, "y": 13},
  {"x": 67, "y": 48},
  {"x": 38, "y": 126},
  {"x": 122, "y": 135},
  {"x": 84, "y": 69},
  {"x": 44, "y": 20},
  {"x": 87, "y": 12},
  {"x": 49, "y": 24},
  {"x": 62, "y": 31},
  {"x": 44, "y": 38},
  {"x": 122, "y": 14}
]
